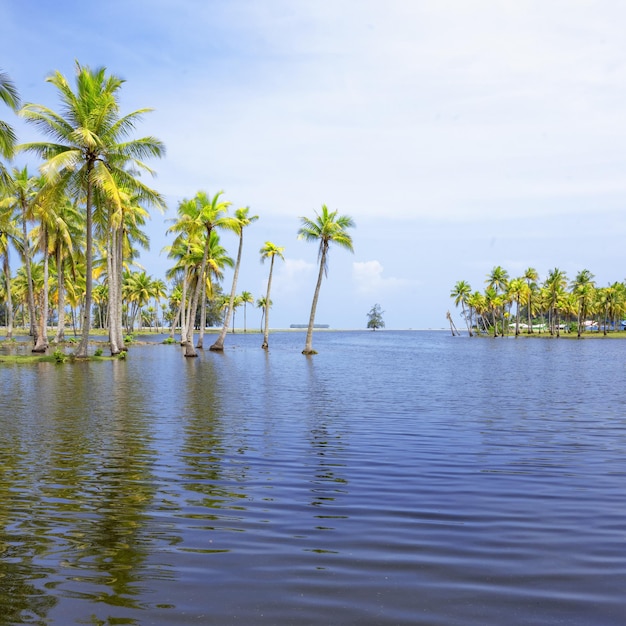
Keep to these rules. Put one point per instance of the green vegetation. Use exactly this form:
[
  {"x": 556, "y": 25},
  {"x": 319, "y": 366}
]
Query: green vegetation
[
  {"x": 526, "y": 305},
  {"x": 76, "y": 224},
  {"x": 375, "y": 318}
]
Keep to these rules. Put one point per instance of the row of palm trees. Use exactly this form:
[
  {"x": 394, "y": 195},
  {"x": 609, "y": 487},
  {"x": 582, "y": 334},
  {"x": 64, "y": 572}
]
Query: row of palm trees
[
  {"x": 81, "y": 216},
  {"x": 528, "y": 304}
]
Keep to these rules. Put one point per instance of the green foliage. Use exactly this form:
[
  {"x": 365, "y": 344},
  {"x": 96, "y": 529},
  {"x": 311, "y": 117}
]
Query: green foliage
[
  {"x": 169, "y": 340},
  {"x": 59, "y": 356},
  {"x": 129, "y": 338},
  {"x": 375, "y": 318},
  {"x": 122, "y": 355},
  {"x": 98, "y": 352}
]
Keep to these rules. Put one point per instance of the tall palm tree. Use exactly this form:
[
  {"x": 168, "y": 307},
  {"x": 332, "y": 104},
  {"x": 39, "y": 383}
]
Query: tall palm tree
[
  {"x": 10, "y": 97},
  {"x": 517, "y": 290},
  {"x": 555, "y": 285},
  {"x": 461, "y": 293},
  {"x": 531, "y": 276},
  {"x": 327, "y": 227},
  {"x": 498, "y": 280},
  {"x": 10, "y": 235},
  {"x": 21, "y": 195},
  {"x": 269, "y": 251},
  {"x": 91, "y": 153},
  {"x": 196, "y": 219},
  {"x": 583, "y": 287},
  {"x": 236, "y": 224}
]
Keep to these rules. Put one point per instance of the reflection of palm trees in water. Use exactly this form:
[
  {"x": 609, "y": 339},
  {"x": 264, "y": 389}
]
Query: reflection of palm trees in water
[{"x": 327, "y": 444}]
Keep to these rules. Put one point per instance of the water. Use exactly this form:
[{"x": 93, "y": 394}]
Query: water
[{"x": 394, "y": 478}]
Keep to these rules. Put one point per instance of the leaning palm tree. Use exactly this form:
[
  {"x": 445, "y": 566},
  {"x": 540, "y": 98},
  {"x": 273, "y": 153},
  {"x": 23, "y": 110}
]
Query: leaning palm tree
[
  {"x": 236, "y": 224},
  {"x": 91, "y": 153},
  {"x": 327, "y": 227},
  {"x": 461, "y": 292},
  {"x": 269, "y": 251}
]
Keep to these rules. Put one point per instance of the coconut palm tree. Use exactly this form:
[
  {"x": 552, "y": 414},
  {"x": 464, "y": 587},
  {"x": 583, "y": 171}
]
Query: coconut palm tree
[
  {"x": 461, "y": 293},
  {"x": 269, "y": 251},
  {"x": 246, "y": 298},
  {"x": 236, "y": 224},
  {"x": 531, "y": 276},
  {"x": 517, "y": 290},
  {"x": 9, "y": 236},
  {"x": 583, "y": 287},
  {"x": 196, "y": 219},
  {"x": 21, "y": 195},
  {"x": 555, "y": 285},
  {"x": 327, "y": 227},
  {"x": 91, "y": 153}
]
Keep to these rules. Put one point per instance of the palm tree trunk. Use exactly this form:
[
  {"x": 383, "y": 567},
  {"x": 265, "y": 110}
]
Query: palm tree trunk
[
  {"x": 29, "y": 277},
  {"x": 219, "y": 343},
  {"x": 42, "y": 338},
  {"x": 9, "y": 302},
  {"x": 200, "y": 343},
  {"x": 83, "y": 346},
  {"x": 308, "y": 344},
  {"x": 60, "y": 334}
]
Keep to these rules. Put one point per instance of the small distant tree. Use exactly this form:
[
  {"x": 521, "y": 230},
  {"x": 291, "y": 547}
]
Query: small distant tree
[{"x": 375, "y": 318}]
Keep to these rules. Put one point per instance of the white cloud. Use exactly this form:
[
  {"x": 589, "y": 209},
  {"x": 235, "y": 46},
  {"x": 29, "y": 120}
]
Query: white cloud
[{"x": 369, "y": 279}]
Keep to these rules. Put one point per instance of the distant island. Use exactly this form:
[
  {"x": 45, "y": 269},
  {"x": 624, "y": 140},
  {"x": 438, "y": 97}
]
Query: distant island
[{"x": 306, "y": 326}]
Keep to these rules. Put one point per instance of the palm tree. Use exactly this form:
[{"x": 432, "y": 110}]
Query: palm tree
[
  {"x": 461, "y": 293},
  {"x": 10, "y": 97},
  {"x": 197, "y": 218},
  {"x": 555, "y": 285},
  {"x": 327, "y": 227},
  {"x": 9, "y": 235},
  {"x": 531, "y": 277},
  {"x": 91, "y": 153},
  {"x": 246, "y": 298},
  {"x": 269, "y": 251},
  {"x": 21, "y": 195},
  {"x": 517, "y": 290},
  {"x": 263, "y": 304},
  {"x": 236, "y": 224},
  {"x": 583, "y": 288},
  {"x": 498, "y": 280}
]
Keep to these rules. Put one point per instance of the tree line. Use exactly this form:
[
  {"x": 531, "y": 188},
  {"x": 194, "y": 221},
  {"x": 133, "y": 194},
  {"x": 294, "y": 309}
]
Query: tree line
[
  {"x": 527, "y": 304},
  {"x": 77, "y": 226}
]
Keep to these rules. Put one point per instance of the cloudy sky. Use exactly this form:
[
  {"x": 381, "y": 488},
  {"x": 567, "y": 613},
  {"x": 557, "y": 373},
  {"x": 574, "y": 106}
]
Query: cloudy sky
[{"x": 458, "y": 134}]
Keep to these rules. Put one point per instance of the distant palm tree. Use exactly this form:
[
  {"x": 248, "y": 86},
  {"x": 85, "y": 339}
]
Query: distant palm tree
[
  {"x": 269, "y": 251},
  {"x": 461, "y": 293},
  {"x": 246, "y": 298},
  {"x": 327, "y": 227}
]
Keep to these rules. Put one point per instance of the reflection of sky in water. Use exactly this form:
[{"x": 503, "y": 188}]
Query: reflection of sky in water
[{"x": 281, "y": 488}]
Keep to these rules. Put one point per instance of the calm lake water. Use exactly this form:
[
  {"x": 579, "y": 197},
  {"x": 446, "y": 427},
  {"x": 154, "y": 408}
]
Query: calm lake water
[{"x": 394, "y": 478}]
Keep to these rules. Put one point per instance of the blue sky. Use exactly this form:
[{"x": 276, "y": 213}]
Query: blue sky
[{"x": 458, "y": 135}]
